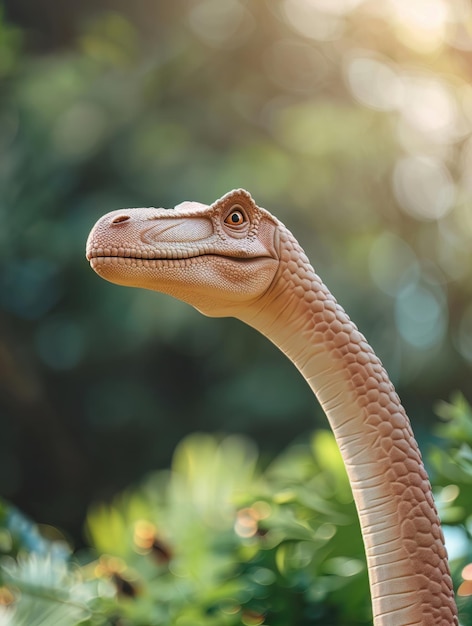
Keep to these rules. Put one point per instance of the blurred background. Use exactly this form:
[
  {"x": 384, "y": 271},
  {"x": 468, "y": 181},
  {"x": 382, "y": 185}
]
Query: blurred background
[{"x": 351, "y": 120}]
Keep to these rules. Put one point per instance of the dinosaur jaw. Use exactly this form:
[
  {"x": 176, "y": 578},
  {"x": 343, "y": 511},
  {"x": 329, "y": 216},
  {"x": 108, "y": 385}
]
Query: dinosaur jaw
[{"x": 214, "y": 284}]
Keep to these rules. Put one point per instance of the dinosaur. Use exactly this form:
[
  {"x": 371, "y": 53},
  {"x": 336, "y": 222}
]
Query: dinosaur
[{"x": 233, "y": 258}]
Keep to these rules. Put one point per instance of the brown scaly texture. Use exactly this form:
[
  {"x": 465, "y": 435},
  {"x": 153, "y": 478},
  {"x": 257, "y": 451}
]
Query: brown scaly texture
[
  {"x": 256, "y": 271},
  {"x": 407, "y": 560}
]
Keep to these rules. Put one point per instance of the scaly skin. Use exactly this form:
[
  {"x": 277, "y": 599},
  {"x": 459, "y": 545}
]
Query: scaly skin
[{"x": 235, "y": 259}]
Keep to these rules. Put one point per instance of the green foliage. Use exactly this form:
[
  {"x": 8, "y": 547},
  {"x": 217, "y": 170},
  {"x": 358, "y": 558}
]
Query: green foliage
[
  {"x": 221, "y": 539},
  {"x": 39, "y": 585},
  {"x": 46, "y": 592},
  {"x": 453, "y": 467},
  {"x": 453, "y": 464},
  {"x": 10, "y": 46},
  {"x": 215, "y": 540},
  {"x": 17, "y": 533}
]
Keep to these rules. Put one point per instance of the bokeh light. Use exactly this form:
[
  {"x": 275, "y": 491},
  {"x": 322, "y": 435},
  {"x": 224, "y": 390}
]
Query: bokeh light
[
  {"x": 374, "y": 82},
  {"x": 423, "y": 187},
  {"x": 421, "y": 24},
  {"x": 421, "y": 315},
  {"x": 309, "y": 19}
]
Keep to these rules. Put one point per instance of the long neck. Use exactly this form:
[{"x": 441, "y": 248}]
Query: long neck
[{"x": 407, "y": 561}]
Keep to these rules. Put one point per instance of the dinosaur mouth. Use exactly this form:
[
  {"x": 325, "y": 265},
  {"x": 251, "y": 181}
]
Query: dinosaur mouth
[
  {"x": 123, "y": 253},
  {"x": 184, "y": 261}
]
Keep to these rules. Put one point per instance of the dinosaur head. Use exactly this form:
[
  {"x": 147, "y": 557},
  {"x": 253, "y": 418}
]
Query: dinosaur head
[{"x": 219, "y": 258}]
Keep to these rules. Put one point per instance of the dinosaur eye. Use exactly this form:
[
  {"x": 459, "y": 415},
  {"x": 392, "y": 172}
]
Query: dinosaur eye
[{"x": 235, "y": 218}]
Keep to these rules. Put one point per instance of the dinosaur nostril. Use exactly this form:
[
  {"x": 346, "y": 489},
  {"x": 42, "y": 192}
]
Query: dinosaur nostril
[{"x": 120, "y": 218}]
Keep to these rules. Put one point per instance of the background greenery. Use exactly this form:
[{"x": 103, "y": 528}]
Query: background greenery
[{"x": 349, "y": 119}]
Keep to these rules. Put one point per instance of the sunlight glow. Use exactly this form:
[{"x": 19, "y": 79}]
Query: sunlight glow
[
  {"x": 335, "y": 7},
  {"x": 308, "y": 20},
  {"x": 374, "y": 83},
  {"x": 460, "y": 33},
  {"x": 423, "y": 187},
  {"x": 421, "y": 24},
  {"x": 430, "y": 107}
]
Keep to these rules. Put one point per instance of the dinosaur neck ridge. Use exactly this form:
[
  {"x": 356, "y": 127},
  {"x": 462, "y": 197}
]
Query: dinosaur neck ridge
[{"x": 407, "y": 561}]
